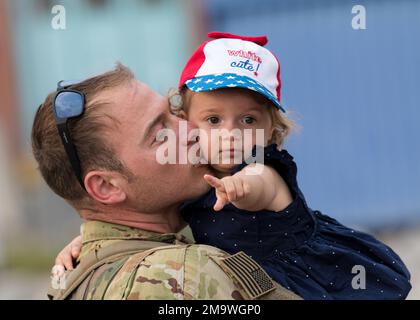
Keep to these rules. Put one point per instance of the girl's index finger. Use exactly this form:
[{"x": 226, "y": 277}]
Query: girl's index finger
[{"x": 214, "y": 182}]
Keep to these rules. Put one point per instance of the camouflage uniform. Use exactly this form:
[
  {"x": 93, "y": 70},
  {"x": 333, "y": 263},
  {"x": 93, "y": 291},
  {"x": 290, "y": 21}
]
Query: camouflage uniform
[{"x": 178, "y": 271}]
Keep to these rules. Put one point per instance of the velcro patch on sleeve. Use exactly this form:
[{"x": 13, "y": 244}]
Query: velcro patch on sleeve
[{"x": 254, "y": 281}]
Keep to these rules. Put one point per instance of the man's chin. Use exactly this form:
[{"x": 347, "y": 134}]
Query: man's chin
[
  {"x": 204, "y": 168},
  {"x": 198, "y": 169},
  {"x": 226, "y": 168},
  {"x": 200, "y": 165}
]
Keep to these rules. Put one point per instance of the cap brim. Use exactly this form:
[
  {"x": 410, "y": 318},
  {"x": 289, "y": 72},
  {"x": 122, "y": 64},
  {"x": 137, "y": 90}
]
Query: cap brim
[{"x": 230, "y": 80}]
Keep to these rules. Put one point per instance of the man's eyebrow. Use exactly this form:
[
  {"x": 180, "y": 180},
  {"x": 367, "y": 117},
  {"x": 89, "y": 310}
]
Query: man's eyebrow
[{"x": 151, "y": 124}]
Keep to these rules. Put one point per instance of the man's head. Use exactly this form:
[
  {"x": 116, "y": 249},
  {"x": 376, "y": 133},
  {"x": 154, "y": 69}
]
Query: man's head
[{"x": 115, "y": 141}]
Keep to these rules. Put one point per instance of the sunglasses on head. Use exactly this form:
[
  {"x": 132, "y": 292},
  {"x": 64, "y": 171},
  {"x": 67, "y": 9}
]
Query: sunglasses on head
[{"x": 69, "y": 104}]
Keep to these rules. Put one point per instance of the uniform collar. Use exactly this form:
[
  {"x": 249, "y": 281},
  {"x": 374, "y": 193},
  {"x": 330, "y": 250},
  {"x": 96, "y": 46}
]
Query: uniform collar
[{"x": 99, "y": 230}]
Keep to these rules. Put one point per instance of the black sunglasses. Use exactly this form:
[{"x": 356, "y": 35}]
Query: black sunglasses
[{"x": 69, "y": 104}]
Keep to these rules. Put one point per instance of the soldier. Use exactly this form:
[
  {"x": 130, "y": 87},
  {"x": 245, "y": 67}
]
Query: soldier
[
  {"x": 112, "y": 266},
  {"x": 95, "y": 142}
]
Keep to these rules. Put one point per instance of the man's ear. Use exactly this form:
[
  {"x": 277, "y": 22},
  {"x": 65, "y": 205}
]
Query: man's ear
[{"x": 105, "y": 186}]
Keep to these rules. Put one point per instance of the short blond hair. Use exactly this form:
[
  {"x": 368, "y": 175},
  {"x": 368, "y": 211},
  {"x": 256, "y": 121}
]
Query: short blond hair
[{"x": 179, "y": 100}]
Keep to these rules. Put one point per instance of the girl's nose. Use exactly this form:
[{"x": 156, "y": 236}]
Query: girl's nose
[{"x": 231, "y": 133}]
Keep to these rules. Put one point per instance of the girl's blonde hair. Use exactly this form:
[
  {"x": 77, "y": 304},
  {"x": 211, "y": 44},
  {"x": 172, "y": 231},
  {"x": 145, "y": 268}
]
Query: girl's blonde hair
[{"x": 283, "y": 126}]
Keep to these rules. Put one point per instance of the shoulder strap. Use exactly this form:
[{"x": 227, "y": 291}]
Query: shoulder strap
[
  {"x": 97, "y": 258},
  {"x": 130, "y": 265}
]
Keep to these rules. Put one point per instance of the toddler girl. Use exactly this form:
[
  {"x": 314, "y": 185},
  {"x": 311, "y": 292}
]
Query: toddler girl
[{"x": 233, "y": 83}]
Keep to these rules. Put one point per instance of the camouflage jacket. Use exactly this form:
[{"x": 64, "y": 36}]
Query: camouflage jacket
[{"x": 174, "y": 269}]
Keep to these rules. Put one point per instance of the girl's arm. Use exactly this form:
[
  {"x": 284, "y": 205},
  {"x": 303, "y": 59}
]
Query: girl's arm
[{"x": 254, "y": 188}]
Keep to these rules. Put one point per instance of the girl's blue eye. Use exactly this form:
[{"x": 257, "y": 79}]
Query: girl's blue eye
[
  {"x": 213, "y": 120},
  {"x": 248, "y": 120}
]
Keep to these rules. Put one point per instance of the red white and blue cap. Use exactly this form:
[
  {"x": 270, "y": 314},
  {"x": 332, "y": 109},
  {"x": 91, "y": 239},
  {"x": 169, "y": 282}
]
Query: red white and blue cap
[{"x": 232, "y": 61}]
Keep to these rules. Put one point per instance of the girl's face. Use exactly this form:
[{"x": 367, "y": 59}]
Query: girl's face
[{"x": 228, "y": 120}]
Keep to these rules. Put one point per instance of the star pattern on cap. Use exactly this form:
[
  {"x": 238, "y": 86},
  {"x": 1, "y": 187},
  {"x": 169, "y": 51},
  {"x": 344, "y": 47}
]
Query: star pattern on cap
[{"x": 228, "y": 80}]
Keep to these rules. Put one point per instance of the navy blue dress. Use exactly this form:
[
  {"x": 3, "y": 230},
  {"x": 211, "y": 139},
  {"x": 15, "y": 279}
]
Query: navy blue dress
[{"x": 303, "y": 250}]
